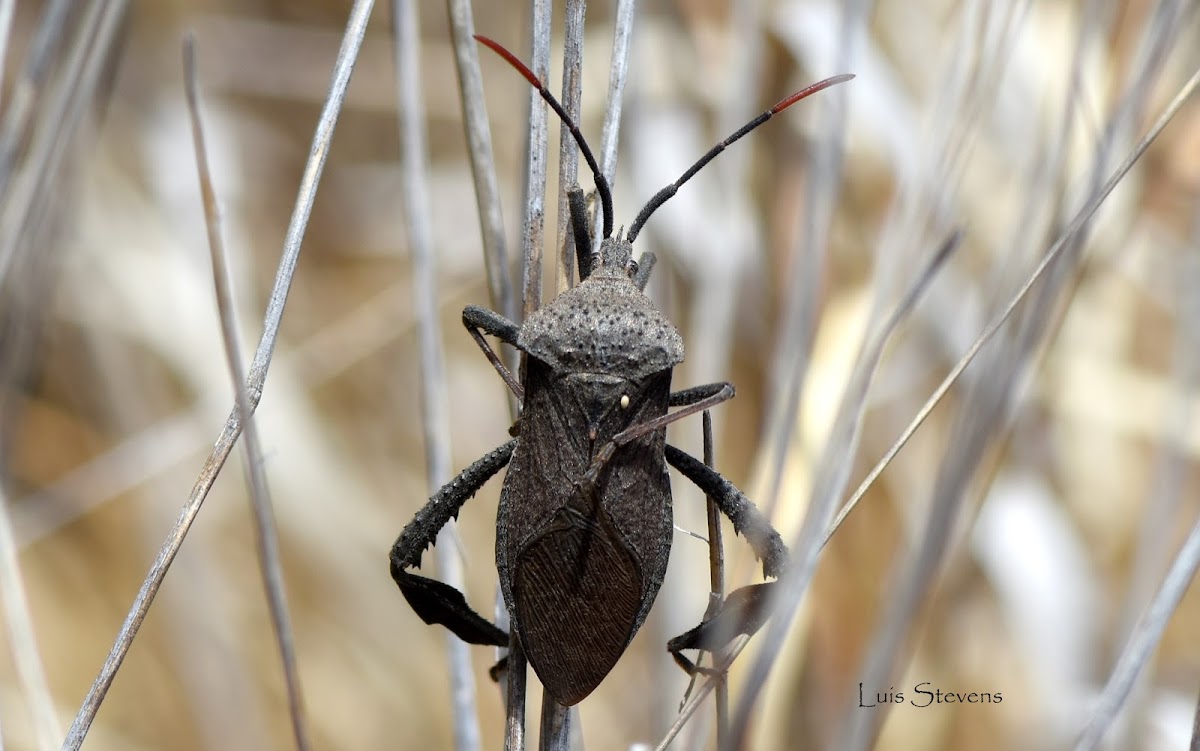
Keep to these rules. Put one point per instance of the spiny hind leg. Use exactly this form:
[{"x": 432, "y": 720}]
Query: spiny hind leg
[{"x": 432, "y": 600}]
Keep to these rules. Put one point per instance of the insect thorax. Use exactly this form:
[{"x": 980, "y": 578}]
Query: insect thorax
[{"x": 605, "y": 325}]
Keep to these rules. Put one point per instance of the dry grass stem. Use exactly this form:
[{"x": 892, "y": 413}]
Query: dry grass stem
[
  {"x": 266, "y": 532},
  {"x": 568, "y": 153},
  {"x": 829, "y": 485},
  {"x": 435, "y": 421},
  {"x": 716, "y": 584},
  {"x": 483, "y": 167},
  {"x": 617, "y": 72},
  {"x": 352, "y": 41},
  {"x": 1142, "y": 643}
]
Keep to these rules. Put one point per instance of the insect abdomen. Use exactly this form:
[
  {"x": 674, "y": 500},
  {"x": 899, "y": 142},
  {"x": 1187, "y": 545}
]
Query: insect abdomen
[{"x": 577, "y": 592}]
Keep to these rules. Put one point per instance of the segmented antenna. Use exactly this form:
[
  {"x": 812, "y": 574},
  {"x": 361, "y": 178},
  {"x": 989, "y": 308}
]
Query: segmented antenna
[
  {"x": 663, "y": 195},
  {"x": 601, "y": 184}
]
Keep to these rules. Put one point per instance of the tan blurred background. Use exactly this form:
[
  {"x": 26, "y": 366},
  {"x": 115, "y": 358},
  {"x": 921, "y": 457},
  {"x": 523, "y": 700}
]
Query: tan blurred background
[{"x": 116, "y": 384}]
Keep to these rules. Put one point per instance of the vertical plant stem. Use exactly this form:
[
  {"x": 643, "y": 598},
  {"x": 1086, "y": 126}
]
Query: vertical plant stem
[
  {"x": 568, "y": 153},
  {"x": 557, "y": 720},
  {"x": 532, "y": 238},
  {"x": 266, "y": 533},
  {"x": 435, "y": 419},
  {"x": 617, "y": 72},
  {"x": 716, "y": 578},
  {"x": 483, "y": 165},
  {"x": 533, "y": 224},
  {"x": 67, "y": 99},
  {"x": 514, "y": 736}
]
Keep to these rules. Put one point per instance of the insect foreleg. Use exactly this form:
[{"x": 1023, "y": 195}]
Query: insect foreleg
[
  {"x": 480, "y": 321},
  {"x": 432, "y": 600}
]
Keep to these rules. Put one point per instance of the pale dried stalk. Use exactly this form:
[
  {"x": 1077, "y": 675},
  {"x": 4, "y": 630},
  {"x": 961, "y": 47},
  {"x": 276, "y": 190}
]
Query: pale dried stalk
[
  {"x": 987, "y": 401},
  {"x": 1142, "y": 643},
  {"x": 568, "y": 152},
  {"x": 618, "y": 70},
  {"x": 67, "y": 102},
  {"x": 532, "y": 237},
  {"x": 559, "y": 722},
  {"x": 435, "y": 420},
  {"x": 533, "y": 223},
  {"x": 266, "y": 532},
  {"x": 716, "y": 581},
  {"x": 483, "y": 166},
  {"x": 347, "y": 54}
]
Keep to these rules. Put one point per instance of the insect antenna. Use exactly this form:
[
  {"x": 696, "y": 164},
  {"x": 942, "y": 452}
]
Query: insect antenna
[
  {"x": 663, "y": 195},
  {"x": 601, "y": 184}
]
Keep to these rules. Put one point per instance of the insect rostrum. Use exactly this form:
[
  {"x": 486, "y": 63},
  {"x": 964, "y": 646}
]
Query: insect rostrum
[{"x": 583, "y": 532}]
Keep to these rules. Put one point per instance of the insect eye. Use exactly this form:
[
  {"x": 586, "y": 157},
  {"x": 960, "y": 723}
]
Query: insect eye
[
  {"x": 624, "y": 401},
  {"x": 631, "y": 267}
]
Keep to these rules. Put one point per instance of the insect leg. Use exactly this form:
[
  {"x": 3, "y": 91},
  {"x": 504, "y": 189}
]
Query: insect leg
[
  {"x": 697, "y": 394},
  {"x": 745, "y": 610},
  {"x": 434, "y": 601},
  {"x": 746, "y": 518},
  {"x": 693, "y": 400},
  {"x": 480, "y": 321},
  {"x": 696, "y": 399}
]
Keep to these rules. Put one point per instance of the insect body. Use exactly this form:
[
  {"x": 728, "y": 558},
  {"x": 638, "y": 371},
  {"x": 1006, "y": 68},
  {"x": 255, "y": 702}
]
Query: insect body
[{"x": 583, "y": 532}]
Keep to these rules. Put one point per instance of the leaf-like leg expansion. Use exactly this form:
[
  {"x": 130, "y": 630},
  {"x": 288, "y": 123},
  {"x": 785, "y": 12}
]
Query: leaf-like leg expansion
[
  {"x": 432, "y": 600},
  {"x": 746, "y": 518},
  {"x": 744, "y": 612},
  {"x": 746, "y": 609},
  {"x": 478, "y": 320}
]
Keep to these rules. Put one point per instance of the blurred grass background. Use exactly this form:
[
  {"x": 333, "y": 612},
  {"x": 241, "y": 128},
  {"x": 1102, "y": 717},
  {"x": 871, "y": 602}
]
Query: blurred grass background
[{"x": 115, "y": 383}]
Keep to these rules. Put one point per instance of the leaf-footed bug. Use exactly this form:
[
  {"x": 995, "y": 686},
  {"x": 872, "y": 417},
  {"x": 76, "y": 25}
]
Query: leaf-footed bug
[{"x": 584, "y": 527}]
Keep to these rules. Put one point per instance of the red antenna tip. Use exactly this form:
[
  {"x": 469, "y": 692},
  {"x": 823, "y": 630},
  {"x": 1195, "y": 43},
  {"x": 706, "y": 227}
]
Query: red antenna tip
[
  {"x": 512, "y": 59},
  {"x": 808, "y": 91}
]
